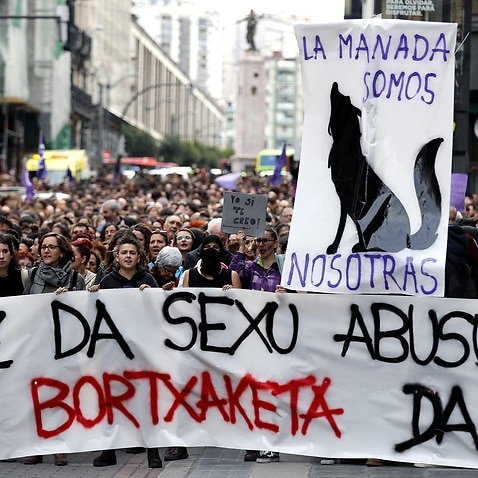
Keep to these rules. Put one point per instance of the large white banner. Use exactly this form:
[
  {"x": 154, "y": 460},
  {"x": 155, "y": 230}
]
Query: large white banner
[
  {"x": 373, "y": 192},
  {"x": 323, "y": 375}
]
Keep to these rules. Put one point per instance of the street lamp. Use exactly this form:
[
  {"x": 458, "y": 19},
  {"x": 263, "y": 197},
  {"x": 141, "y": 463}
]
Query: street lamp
[{"x": 138, "y": 94}]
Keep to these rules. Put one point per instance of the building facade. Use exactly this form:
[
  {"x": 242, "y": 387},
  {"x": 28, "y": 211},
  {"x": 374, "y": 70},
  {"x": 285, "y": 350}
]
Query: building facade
[{"x": 76, "y": 71}]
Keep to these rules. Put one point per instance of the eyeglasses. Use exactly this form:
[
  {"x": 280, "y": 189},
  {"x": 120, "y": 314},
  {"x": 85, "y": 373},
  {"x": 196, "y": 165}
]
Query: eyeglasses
[
  {"x": 50, "y": 247},
  {"x": 262, "y": 240},
  {"x": 180, "y": 238}
]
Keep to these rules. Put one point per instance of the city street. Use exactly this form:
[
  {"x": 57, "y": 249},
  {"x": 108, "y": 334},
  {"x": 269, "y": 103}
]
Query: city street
[{"x": 219, "y": 463}]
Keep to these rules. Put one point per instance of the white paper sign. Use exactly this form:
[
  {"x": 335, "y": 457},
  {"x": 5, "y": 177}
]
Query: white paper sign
[{"x": 371, "y": 209}]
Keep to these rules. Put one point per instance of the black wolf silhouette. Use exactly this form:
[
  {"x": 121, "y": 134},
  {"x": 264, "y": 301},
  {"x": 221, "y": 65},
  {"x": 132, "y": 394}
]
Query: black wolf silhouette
[{"x": 381, "y": 221}]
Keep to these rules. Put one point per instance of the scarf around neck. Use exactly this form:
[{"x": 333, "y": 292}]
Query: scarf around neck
[{"x": 51, "y": 276}]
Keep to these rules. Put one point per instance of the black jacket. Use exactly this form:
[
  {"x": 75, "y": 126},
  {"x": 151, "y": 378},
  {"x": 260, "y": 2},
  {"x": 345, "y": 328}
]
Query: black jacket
[{"x": 114, "y": 280}]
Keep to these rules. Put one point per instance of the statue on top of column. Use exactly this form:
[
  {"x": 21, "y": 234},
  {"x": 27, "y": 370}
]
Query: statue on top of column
[{"x": 251, "y": 24}]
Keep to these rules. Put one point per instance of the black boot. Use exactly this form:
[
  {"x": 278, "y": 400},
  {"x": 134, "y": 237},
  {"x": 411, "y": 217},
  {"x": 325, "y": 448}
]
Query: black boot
[
  {"x": 107, "y": 458},
  {"x": 154, "y": 460}
]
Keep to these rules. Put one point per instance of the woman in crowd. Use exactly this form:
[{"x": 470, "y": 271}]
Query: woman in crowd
[
  {"x": 165, "y": 269},
  {"x": 82, "y": 249},
  {"x": 107, "y": 232},
  {"x": 250, "y": 248},
  {"x": 109, "y": 261},
  {"x": 11, "y": 282},
  {"x": 232, "y": 244},
  {"x": 54, "y": 274},
  {"x": 93, "y": 262},
  {"x": 210, "y": 271},
  {"x": 128, "y": 272},
  {"x": 263, "y": 274},
  {"x": 143, "y": 234},
  {"x": 157, "y": 241},
  {"x": 184, "y": 241},
  {"x": 25, "y": 260}
]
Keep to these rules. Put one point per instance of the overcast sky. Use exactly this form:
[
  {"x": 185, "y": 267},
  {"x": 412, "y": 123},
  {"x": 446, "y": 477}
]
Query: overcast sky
[{"x": 318, "y": 10}]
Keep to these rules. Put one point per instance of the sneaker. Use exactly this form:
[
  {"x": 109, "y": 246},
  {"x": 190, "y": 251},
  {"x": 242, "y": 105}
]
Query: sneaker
[
  {"x": 33, "y": 460},
  {"x": 251, "y": 455},
  {"x": 327, "y": 461},
  {"x": 154, "y": 461},
  {"x": 61, "y": 459},
  {"x": 268, "y": 457},
  {"x": 107, "y": 458},
  {"x": 176, "y": 453}
]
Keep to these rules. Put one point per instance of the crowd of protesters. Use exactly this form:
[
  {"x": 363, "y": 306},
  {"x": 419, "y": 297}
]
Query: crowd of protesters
[
  {"x": 143, "y": 232},
  {"x": 150, "y": 232}
]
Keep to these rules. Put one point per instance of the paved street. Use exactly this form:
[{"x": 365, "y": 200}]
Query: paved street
[{"x": 219, "y": 463}]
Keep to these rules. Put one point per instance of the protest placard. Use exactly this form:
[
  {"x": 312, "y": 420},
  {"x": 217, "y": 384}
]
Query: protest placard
[
  {"x": 314, "y": 374},
  {"x": 374, "y": 180},
  {"x": 244, "y": 212}
]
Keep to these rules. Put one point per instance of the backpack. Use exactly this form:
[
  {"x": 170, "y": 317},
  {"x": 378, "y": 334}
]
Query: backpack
[{"x": 459, "y": 281}]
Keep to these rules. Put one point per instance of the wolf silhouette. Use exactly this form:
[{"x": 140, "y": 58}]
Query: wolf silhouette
[{"x": 380, "y": 219}]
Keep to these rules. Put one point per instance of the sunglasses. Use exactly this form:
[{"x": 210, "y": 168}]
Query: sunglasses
[
  {"x": 262, "y": 240},
  {"x": 180, "y": 238}
]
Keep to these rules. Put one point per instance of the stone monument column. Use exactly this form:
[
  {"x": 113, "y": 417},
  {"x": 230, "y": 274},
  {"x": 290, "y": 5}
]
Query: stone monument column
[{"x": 250, "y": 112}]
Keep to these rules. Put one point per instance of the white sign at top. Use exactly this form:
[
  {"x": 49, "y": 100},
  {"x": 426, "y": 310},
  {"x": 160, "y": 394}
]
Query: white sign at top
[{"x": 371, "y": 208}]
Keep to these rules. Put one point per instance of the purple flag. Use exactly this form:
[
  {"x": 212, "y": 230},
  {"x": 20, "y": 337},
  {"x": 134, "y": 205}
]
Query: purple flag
[
  {"x": 27, "y": 184},
  {"x": 70, "y": 176},
  {"x": 280, "y": 163},
  {"x": 228, "y": 181},
  {"x": 41, "y": 171},
  {"x": 117, "y": 170}
]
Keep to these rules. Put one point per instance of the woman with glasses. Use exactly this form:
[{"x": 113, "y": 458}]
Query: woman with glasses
[
  {"x": 54, "y": 274},
  {"x": 25, "y": 260},
  {"x": 184, "y": 241},
  {"x": 263, "y": 274}
]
